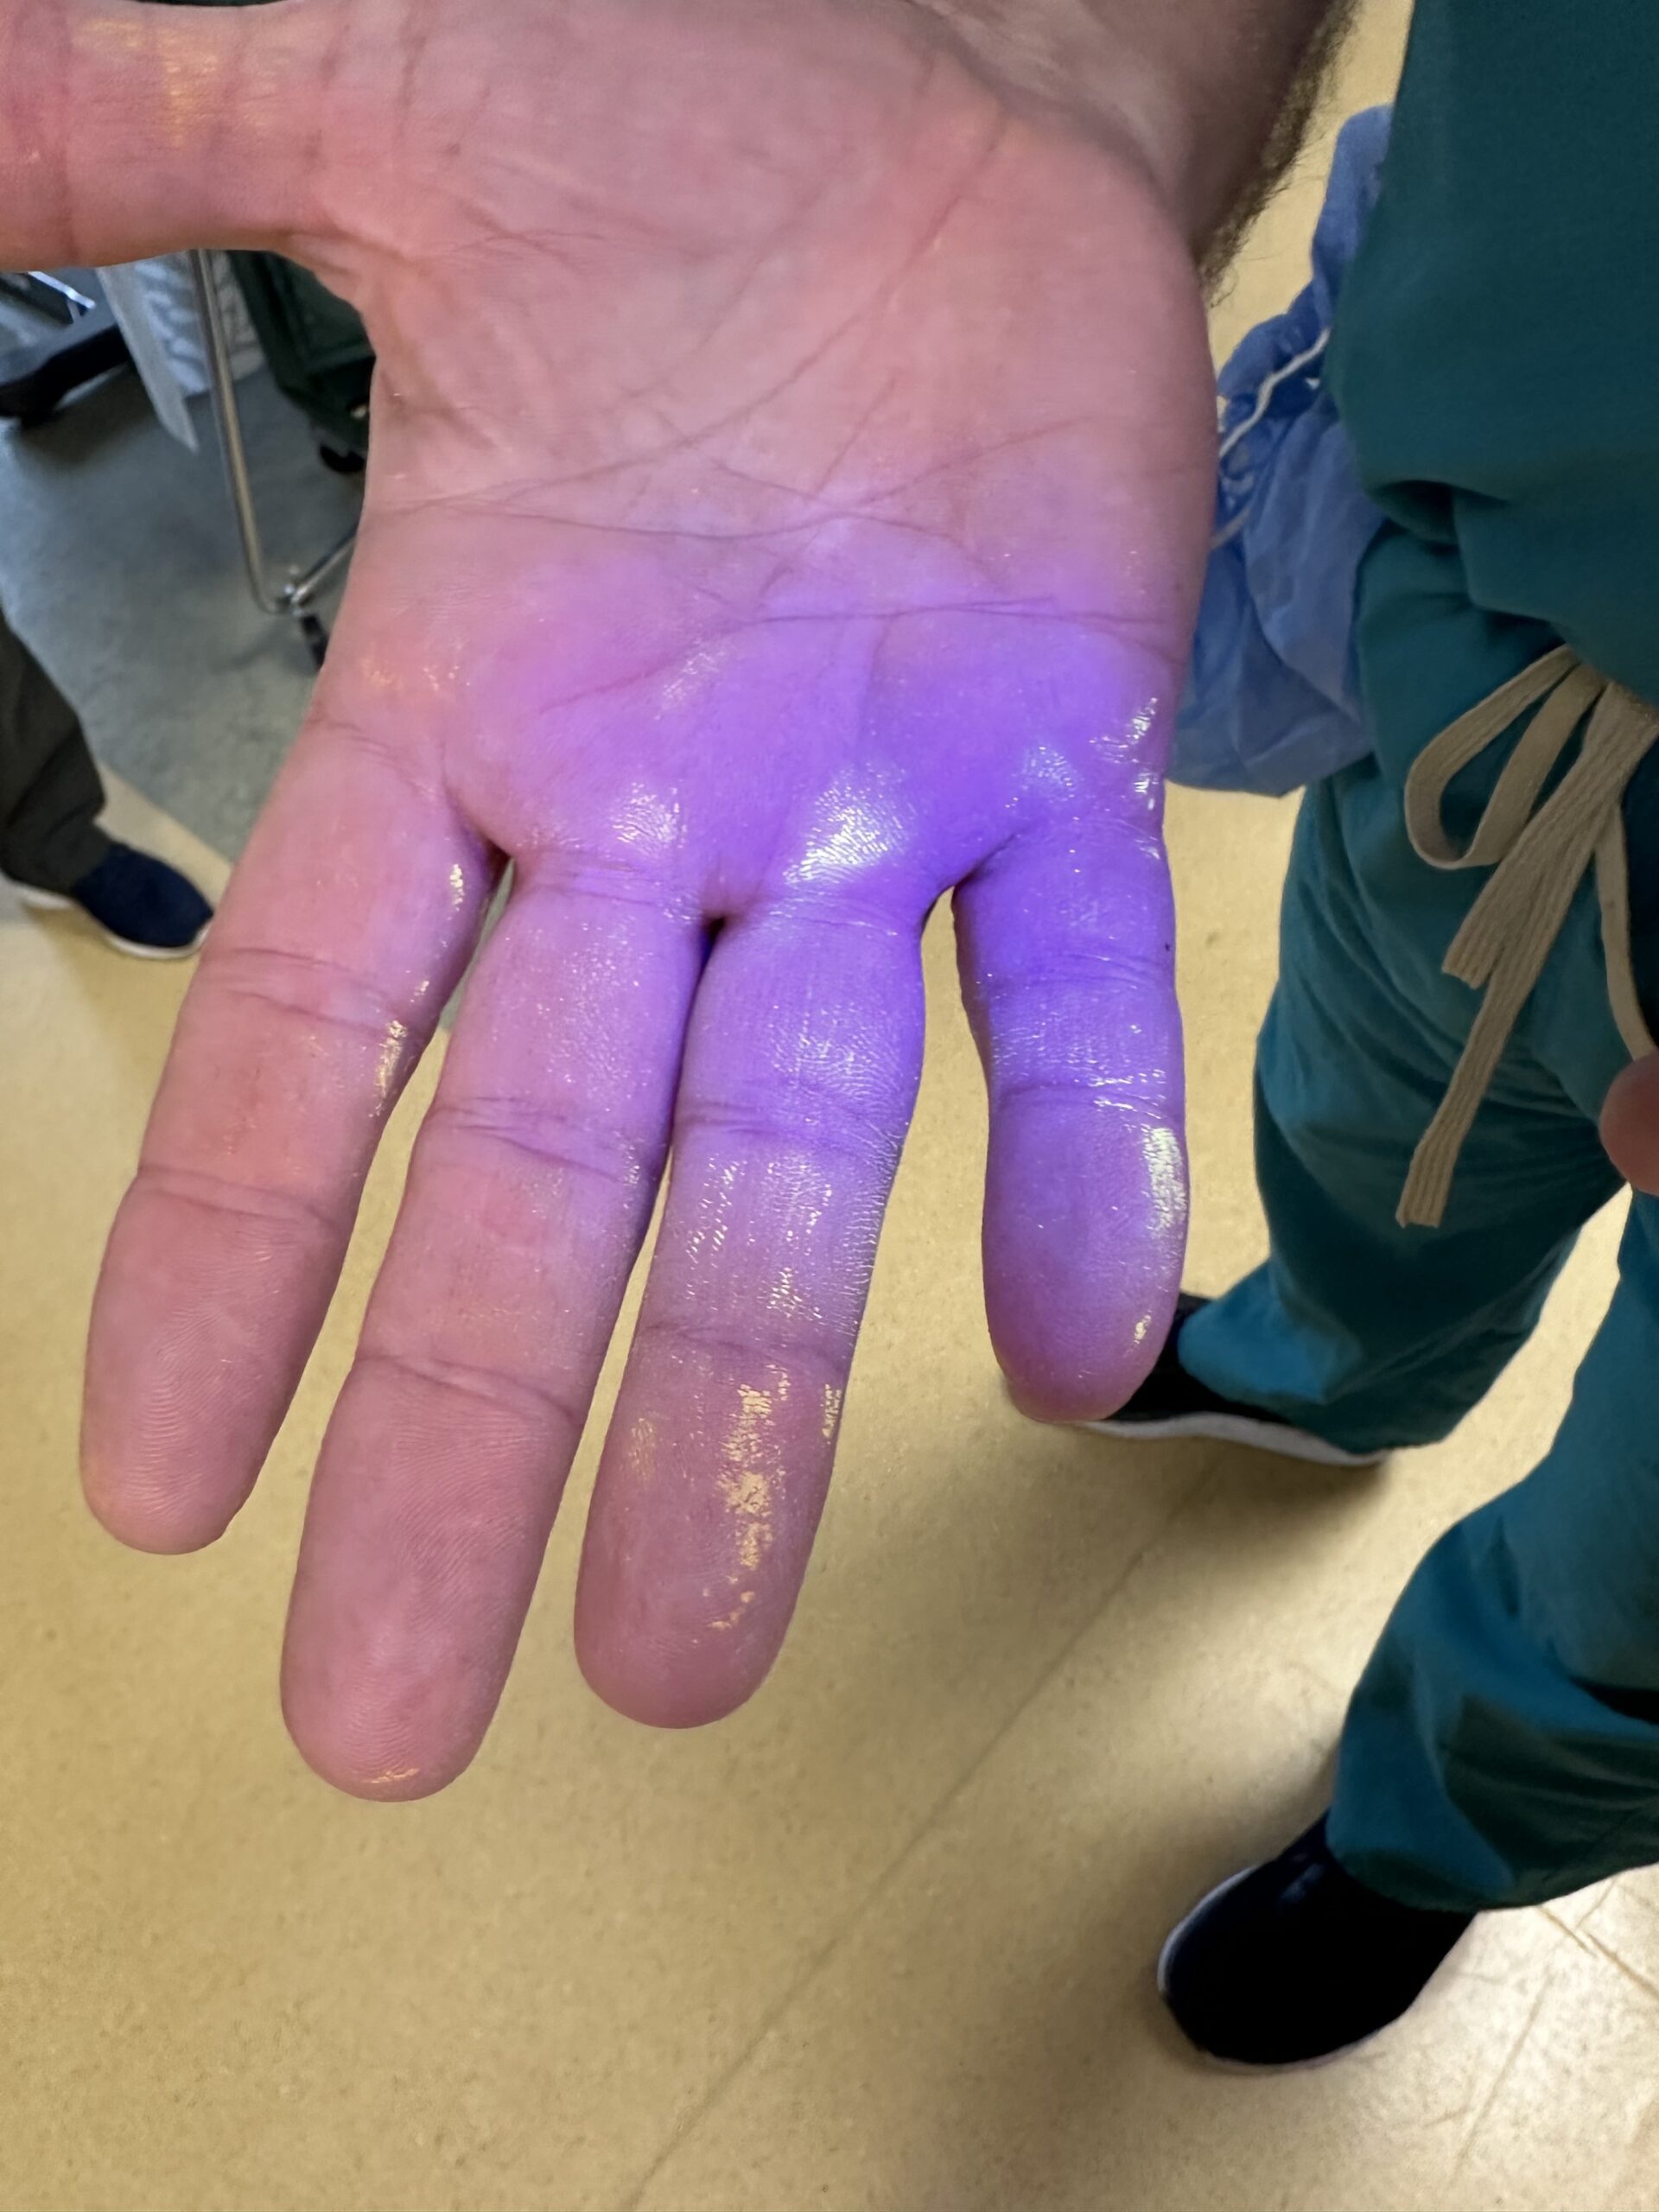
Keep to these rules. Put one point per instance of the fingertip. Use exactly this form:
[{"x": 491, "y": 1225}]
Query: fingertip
[
  {"x": 142, "y": 1472},
  {"x": 709, "y": 1491},
  {"x": 407, "y": 1784},
  {"x": 1630, "y": 1125},
  {"x": 166, "y": 1522},
  {"x": 680, "y": 1684},
  {"x": 151, "y": 1481},
  {"x": 1086, "y": 1234},
  {"x": 200, "y": 1325},
  {"x": 1068, "y": 1360},
  {"x": 361, "y": 1738}
]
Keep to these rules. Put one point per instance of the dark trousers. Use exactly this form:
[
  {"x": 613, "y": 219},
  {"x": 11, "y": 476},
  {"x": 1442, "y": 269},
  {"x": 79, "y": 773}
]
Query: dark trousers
[{"x": 50, "y": 792}]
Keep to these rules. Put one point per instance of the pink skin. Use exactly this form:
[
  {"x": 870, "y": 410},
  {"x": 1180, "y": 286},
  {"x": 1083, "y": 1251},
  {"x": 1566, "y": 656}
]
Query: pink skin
[
  {"x": 790, "y": 479},
  {"x": 1630, "y": 1125}
]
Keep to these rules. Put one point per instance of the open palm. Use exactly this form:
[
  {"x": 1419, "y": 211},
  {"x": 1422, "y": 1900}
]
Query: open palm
[{"x": 790, "y": 478}]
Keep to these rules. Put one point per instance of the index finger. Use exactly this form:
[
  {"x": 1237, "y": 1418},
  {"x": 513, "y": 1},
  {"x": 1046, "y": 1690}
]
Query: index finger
[{"x": 344, "y": 932}]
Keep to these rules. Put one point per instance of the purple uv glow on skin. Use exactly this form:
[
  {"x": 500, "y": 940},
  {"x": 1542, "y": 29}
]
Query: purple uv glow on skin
[{"x": 791, "y": 478}]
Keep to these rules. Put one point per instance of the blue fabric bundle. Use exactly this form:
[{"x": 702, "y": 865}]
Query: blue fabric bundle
[{"x": 1272, "y": 698}]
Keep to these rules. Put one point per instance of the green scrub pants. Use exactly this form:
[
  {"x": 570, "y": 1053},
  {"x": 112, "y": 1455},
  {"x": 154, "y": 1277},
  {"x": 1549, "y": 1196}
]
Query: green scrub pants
[{"x": 1503, "y": 1747}]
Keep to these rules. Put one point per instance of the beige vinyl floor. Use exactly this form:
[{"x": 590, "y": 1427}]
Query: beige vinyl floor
[{"x": 885, "y": 1942}]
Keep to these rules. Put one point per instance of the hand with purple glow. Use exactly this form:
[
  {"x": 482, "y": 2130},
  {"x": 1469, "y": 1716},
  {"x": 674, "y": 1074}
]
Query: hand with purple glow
[{"x": 791, "y": 476}]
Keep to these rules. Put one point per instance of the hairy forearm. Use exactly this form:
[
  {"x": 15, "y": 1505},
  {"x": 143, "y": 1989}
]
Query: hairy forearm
[
  {"x": 1213, "y": 94},
  {"x": 1216, "y": 93}
]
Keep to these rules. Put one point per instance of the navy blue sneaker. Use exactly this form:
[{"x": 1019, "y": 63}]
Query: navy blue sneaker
[
  {"x": 140, "y": 903},
  {"x": 1172, "y": 1402},
  {"x": 1296, "y": 1961}
]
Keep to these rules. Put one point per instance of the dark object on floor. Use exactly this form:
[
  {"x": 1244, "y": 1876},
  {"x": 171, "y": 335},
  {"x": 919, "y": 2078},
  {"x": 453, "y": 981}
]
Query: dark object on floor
[
  {"x": 140, "y": 903},
  {"x": 1296, "y": 1961},
  {"x": 1172, "y": 1402},
  {"x": 318, "y": 350},
  {"x": 37, "y": 378}
]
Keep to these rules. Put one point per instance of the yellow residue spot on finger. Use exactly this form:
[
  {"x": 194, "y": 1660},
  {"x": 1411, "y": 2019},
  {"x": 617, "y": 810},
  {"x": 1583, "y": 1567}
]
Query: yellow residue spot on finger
[
  {"x": 384, "y": 1780},
  {"x": 190, "y": 86},
  {"x": 641, "y": 1446},
  {"x": 112, "y": 34},
  {"x": 736, "y": 1613},
  {"x": 1166, "y": 1177},
  {"x": 391, "y": 1058},
  {"x": 747, "y": 1480},
  {"x": 749, "y": 1496},
  {"x": 188, "y": 70},
  {"x": 457, "y": 888}
]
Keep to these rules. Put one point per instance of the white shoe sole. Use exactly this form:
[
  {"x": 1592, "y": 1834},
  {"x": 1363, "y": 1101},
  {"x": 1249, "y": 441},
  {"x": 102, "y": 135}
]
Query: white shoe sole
[
  {"x": 1237, "y": 2065},
  {"x": 55, "y": 902},
  {"x": 1239, "y": 1428}
]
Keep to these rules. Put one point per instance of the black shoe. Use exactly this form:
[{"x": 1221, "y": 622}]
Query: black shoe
[
  {"x": 140, "y": 905},
  {"x": 1172, "y": 1402},
  {"x": 1296, "y": 1961}
]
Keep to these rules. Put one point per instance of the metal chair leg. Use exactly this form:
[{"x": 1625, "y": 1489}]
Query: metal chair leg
[{"x": 294, "y": 597}]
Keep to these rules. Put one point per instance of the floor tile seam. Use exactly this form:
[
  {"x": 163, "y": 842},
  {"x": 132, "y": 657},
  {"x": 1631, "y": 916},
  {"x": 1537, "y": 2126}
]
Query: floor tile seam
[{"x": 883, "y": 1880}]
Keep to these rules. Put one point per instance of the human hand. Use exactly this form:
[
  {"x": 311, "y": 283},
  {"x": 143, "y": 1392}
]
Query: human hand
[
  {"x": 1630, "y": 1125},
  {"x": 789, "y": 481}
]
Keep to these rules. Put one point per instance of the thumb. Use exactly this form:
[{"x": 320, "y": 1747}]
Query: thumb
[
  {"x": 131, "y": 130},
  {"x": 1630, "y": 1125}
]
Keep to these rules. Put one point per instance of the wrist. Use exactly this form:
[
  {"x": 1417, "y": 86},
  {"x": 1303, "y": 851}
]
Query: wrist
[
  {"x": 1209, "y": 97},
  {"x": 117, "y": 122}
]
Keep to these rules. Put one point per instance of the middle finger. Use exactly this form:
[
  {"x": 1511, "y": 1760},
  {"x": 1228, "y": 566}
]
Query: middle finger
[{"x": 530, "y": 1191}]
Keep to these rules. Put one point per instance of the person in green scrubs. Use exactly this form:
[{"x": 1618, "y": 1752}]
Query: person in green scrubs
[
  {"x": 1428, "y": 1139},
  {"x": 1493, "y": 364}
]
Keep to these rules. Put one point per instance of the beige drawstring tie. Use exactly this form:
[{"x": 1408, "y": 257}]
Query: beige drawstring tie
[{"x": 1537, "y": 862}]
